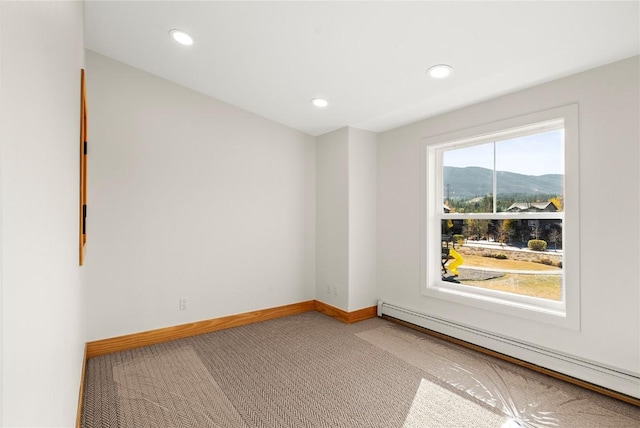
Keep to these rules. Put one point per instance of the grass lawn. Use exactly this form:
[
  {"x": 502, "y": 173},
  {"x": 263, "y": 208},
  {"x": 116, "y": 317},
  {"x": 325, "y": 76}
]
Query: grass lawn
[
  {"x": 540, "y": 285},
  {"x": 508, "y": 264}
]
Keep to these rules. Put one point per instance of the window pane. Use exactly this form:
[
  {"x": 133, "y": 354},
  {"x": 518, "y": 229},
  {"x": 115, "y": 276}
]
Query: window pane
[
  {"x": 530, "y": 173},
  {"x": 468, "y": 179},
  {"x": 513, "y": 256}
]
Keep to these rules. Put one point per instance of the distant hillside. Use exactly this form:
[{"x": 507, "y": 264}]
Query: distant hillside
[{"x": 469, "y": 182}]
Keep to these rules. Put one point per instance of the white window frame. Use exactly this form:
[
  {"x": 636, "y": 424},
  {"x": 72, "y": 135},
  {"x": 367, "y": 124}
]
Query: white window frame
[{"x": 565, "y": 313}]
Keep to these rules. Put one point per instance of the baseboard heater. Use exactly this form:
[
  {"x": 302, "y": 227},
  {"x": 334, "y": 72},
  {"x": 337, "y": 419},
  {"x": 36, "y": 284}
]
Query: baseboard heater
[{"x": 611, "y": 378}]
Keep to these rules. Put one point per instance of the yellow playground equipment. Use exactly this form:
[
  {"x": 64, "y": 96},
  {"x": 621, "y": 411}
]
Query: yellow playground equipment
[{"x": 450, "y": 258}]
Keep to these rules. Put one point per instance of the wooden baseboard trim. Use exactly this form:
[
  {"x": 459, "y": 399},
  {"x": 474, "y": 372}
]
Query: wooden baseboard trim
[
  {"x": 536, "y": 368},
  {"x": 332, "y": 311},
  {"x": 136, "y": 340},
  {"x": 81, "y": 393},
  {"x": 363, "y": 314},
  {"x": 344, "y": 316}
]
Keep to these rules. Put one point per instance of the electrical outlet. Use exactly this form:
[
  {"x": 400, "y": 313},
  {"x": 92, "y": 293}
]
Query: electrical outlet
[
  {"x": 183, "y": 303},
  {"x": 328, "y": 289},
  {"x": 335, "y": 290}
]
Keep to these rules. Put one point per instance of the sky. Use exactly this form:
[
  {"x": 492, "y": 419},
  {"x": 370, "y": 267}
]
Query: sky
[{"x": 537, "y": 154}]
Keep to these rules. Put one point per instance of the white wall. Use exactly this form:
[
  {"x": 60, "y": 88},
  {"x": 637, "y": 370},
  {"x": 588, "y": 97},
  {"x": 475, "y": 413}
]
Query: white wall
[
  {"x": 608, "y": 99},
  {"x": 190, "y": 197},
  {"x": 346, "y": 206},
  {"x": 362, "y": 218},
  {"x": 332, "y": 166},
  {"x": 42, "y": 310},
  {"x": 1, "y": 242}
]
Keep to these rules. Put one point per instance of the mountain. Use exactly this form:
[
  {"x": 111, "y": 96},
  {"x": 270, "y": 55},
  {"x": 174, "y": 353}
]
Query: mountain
[{"x": 473, "y": 181}]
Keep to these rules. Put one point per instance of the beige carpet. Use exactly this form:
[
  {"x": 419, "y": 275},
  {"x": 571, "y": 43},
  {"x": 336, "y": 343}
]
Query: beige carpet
[
  {"x": 435, "y": 406},
  {"x": 309, "y": 370},
  {"x": 172, "y": 388},
  {"x": 533, "y": 400}
]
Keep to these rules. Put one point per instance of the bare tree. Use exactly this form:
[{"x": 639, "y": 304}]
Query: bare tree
[
  {"x": 555, "y": 236},
  {"x": 536, "y": 230}
]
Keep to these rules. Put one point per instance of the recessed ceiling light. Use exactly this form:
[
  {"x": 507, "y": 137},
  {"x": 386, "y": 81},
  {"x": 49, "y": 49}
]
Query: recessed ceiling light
[
  {"x": 319, "y": 102},
  {"x": 440, "y": 71},
  {"x": 181, "y": 37}
]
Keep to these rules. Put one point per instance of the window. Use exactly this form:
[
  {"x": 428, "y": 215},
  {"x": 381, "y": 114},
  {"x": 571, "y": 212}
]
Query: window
[{"x": 500, "y": 217}]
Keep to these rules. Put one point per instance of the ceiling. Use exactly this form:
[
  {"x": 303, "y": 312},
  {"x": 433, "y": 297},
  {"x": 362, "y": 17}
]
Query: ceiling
[{"x": 368, "y": 59}]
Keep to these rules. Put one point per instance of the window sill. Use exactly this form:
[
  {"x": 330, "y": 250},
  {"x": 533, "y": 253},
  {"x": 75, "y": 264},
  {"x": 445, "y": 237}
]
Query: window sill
[{"x": 538, "y": 310}]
